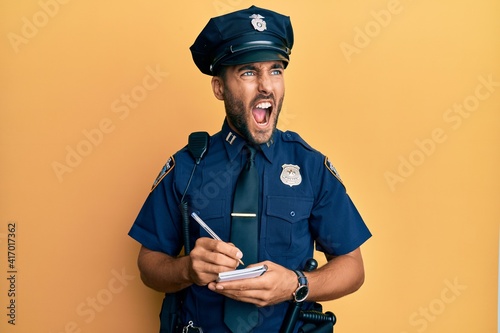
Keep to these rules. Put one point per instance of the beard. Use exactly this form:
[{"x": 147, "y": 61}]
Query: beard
[{"x": 235, "y": 112}]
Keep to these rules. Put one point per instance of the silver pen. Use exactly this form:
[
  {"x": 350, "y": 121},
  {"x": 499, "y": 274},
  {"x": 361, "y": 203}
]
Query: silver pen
[{"x": 207, "y": 229}]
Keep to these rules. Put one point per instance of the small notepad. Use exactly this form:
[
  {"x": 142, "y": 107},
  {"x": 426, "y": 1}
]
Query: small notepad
[{"x": 244, "y": 273}]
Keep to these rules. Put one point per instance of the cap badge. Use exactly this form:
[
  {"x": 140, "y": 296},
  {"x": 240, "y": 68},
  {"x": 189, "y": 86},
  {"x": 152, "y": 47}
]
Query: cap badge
[
  {"x": 258, "y": 23},
  {"x": 291, "y": 175}
]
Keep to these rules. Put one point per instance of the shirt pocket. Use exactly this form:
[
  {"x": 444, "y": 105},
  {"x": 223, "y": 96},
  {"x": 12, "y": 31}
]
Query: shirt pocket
[
  {"x": 213, "y": 215},
  {"x": 287, "y": 225}
]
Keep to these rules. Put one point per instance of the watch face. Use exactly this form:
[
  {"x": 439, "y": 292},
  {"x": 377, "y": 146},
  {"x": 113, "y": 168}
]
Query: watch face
[{"x": 301, "y": 293}]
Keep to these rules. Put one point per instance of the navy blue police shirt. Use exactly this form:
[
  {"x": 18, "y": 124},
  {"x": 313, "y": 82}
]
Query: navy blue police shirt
[{"x": 303, "y": 204}]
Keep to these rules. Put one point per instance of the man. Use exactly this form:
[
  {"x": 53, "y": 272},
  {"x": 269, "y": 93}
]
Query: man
[{"x": 301, "y": 200}]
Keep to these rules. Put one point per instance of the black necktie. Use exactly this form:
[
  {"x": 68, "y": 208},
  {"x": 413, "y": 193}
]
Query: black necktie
[{"x": 239, "y": 316}]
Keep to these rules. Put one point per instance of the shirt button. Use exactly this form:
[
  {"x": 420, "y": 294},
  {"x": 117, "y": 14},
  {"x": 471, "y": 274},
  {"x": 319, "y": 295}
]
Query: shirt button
[{"x": 292, "y": 213}]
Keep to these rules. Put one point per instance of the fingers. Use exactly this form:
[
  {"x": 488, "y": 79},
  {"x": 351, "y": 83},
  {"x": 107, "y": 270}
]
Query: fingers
[
  {"x": 210, "y": 257},
  {"x": 244, "y": 293},
  {"x": 267, "y": 289},
  {"x": 217, "y": 253}
]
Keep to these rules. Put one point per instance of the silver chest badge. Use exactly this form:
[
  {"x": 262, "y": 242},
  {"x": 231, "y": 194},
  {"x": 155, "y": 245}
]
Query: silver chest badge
[
  {"x": 258, "y": 23},
  {"x": 291, "y": 175}
]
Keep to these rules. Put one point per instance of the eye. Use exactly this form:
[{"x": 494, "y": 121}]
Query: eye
[
  {"x": 248, "y": 73},
  {"x": 276, "y": 72}
]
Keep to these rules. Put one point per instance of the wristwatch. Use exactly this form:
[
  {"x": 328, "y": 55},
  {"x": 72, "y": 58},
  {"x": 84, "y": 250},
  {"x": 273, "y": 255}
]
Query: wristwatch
[{"x": 302, "y": 290}]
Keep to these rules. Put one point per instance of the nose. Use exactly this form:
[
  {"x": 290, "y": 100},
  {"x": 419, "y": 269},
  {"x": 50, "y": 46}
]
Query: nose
[{"x": 265, "y": 84}]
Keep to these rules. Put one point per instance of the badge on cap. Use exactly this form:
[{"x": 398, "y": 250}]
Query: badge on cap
[
  {"x": 258, "y": 23},
  {"x": 291, "y": 175}
]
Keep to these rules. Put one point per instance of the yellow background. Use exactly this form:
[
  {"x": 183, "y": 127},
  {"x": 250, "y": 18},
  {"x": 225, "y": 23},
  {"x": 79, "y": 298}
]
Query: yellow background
[{"x": 372, "y": 84}]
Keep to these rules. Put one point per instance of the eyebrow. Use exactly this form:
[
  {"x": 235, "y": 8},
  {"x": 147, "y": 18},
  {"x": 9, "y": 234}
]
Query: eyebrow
[{"x": 247, "y": 68}]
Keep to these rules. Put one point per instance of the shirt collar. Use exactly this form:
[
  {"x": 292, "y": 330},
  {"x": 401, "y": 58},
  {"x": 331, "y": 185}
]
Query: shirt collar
[{"x": 233, "y": 142}]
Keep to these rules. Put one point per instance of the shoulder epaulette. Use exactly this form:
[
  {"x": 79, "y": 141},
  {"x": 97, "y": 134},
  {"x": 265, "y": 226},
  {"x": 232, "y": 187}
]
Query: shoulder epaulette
[{"x": 290, "y": 136}]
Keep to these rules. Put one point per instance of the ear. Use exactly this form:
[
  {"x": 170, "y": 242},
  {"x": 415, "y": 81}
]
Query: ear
[{"x": 218, "y": 88}]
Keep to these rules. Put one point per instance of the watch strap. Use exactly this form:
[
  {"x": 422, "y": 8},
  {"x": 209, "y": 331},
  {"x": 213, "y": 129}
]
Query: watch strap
[
  {"x": 302, "y": 278},
  {"x": 302, "y": 290}
]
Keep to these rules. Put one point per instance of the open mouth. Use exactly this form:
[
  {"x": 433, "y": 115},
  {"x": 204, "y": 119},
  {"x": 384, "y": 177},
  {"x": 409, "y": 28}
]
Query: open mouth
[{"x": 261, "y": 113}]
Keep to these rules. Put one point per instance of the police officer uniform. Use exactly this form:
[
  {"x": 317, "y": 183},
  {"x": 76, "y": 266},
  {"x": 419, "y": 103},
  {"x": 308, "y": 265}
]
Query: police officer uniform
[{"x": 302, "y": 203}]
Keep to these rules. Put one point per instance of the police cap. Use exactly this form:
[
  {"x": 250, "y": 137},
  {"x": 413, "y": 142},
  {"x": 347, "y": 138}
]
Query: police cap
[{"x": 245, "y": 36}]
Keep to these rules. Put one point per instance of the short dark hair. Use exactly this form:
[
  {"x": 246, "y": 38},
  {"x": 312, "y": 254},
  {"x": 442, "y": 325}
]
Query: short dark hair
[{"x": 221, "y": 72}]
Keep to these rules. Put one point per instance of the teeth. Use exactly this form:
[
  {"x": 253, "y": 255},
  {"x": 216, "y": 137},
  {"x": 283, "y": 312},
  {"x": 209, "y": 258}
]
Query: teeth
[{"x": 263, "y": 105}]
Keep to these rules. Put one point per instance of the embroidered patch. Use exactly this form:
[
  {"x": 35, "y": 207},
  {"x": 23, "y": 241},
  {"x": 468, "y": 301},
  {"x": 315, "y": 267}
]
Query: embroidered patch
[
  {"x": 291, "y": 175},
  {"x": 164, "y": 171},
  {"x": 332, "y": 169}
]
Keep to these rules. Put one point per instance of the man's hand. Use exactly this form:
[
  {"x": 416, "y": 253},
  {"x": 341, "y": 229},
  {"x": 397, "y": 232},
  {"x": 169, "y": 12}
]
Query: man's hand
[
  {"x": 169, "y": 274},
  {"x": 274, "y": 286},
  {"x": 340, "y": 276},
  {"x": 210, "y": 257}
]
